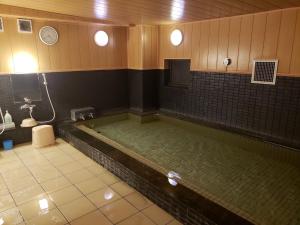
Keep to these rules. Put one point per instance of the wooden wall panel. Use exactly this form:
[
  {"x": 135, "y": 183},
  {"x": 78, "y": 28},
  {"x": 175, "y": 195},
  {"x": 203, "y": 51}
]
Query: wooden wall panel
[
  {"x": 286, "y": 39},
  {"x": 223, "y": 44},
  {"x": 143, "y": 47},
  {"x": 258, "y": 37},
  {"x": 75, "y": 49},
  {"x": 204, "y": 42},
  {"x": 271, "y": 35},
  {"x": 234, "y": 41},
  {"x": 74, "y": 46},
  {"x": 213, "y": 45},
  {"x": 295, "y": 63},
  {"x": 195, "y": 46},
  {"x": 5, "y": 52},
  {"x": 245, "y": 43}
]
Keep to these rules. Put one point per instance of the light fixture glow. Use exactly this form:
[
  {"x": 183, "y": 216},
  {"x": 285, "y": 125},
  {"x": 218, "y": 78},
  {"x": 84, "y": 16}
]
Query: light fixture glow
[
  {"x": 1, "y": 221},
  {"x": 101, "y": 38},
  {"x": 100, "y": 9},
  {"x": 177, "y": 9},
  {"x": 176, "y": 37},
  {"x": 24, "y": 62}
]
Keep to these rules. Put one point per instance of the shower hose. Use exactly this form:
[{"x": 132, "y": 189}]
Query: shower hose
[
  {"x": 2, "y": 118},
  {"x": 51, "y": 104}
]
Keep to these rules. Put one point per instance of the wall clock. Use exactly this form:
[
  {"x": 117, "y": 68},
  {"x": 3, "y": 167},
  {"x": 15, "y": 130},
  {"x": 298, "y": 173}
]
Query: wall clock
[{"x": 48, "y": 35}]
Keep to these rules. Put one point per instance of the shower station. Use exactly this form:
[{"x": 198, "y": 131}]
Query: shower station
[{"x": 31, "y": 121}]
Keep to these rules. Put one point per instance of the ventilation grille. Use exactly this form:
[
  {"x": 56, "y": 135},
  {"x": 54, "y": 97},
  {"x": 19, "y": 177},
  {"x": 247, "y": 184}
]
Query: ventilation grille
[{"x": 264, "y": 71}]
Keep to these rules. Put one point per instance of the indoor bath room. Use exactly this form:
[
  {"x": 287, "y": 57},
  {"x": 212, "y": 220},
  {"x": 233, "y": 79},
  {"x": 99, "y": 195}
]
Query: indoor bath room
[{"x": 149, "y": 112}]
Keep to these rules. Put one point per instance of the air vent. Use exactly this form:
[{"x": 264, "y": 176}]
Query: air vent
[
  {"x": 264, "y": 71},
  {"x": 24, "y": 26}
]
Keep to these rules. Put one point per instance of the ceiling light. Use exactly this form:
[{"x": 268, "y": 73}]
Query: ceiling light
[
  {"x": 101, "y": 38},
  {"x": 176, "y": 37}
]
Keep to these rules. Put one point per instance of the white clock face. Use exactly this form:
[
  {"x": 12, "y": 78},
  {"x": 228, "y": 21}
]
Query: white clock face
[{"x": 48, "y": 35}]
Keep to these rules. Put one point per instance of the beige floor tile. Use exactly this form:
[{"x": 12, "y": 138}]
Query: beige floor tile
[
  {"x": 53, "y": 217},
  {"x": 175, "y": 222},
  {"x": 35, "y": 208},
  {"x": 138, "y": 200},
  {"x": 79, "y": 176},
  {"x": 70, "y": 167},
  {"x": 77, "y": 155},
  {"x": 21, "y": 183},
  {"x": 11, "y": 166},
  {"x": 6, "y": 202},
  {"x": 138, "y": 219},
  {"x": 16, "y": 174},
  {"x": 55, "y": 184},
  {"x": 3, "y": 190},
  {"x": 157, "y": 215},
  {"x": 90, "y": 185},
  {"x": 11, "y": 216},
  {"x": 118, "y": 210},
  {"x": 93, "y": 218},
  {"x": 97, "y": 170},
  {"x": 31, "y": 192},
  {"x": 46, "y": 173},
  {"x": 87, "y": 162},
  {"x": 65, "y": 195},
  {"x": 108, "y": 178},
  {"x": 122, "y": 188},
  {"x": 76, "y": 208},
  {"x": 103, "y": 196},
  {"x": 61, "y": 160}
]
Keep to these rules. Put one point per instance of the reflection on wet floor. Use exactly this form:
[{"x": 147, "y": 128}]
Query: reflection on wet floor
[{"x": 59, "y": 185}]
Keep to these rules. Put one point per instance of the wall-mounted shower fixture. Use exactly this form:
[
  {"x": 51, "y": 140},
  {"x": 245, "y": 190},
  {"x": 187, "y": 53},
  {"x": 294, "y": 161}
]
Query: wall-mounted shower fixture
[
  {"x": 31, "y": 121},
  {"x": 82, "y": 113}
]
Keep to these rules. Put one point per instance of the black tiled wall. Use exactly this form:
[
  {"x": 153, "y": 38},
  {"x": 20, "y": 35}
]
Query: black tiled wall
[
  {"x": 104, "y": 90},
  {"x": 143, "y": 90},
  {"x": 232, "y": 102}
]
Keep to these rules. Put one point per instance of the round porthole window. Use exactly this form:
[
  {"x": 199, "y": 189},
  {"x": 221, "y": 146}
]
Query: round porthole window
[
  {"x": 101, "y": 38},
  {"x": 176, "y": 37}
]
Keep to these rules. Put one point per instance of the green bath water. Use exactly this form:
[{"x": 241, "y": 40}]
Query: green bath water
[{"x": 256, "y": 180}]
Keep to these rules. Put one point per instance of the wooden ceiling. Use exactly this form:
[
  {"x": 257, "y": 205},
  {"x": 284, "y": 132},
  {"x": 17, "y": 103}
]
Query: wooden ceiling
[{"x": 153, "y": 11}]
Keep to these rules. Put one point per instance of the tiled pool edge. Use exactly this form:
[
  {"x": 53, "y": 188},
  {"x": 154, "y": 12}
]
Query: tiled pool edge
[{"x": 184, "y": 204}]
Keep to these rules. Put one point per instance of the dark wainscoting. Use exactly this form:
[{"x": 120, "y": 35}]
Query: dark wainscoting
[
  {"x": 105, "y": 90},
  {"x": 230, "y": 101},
  {"x": 143, "y": 90}
]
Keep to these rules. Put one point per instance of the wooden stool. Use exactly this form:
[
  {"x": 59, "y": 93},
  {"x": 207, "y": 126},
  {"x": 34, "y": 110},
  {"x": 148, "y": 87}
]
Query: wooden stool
[{"x": 42, "y": 136}]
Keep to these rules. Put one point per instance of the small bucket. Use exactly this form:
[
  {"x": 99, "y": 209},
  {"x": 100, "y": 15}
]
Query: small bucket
[{"x": 8, "y": 144}]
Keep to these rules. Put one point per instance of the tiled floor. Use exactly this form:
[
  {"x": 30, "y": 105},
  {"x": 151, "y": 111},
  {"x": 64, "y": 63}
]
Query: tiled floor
[{"x": 60, "y": 185}]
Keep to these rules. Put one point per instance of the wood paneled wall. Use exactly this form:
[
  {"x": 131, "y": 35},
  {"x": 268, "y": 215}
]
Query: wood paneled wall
[
  {"x": 75, "y": 50},
  {"x": 271, "y": 35},
  {"x": 143, "y": 47}
]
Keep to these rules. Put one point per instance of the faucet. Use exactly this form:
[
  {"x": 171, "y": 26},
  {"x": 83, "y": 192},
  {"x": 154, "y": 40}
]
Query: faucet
[
  {"x": 91, "y": 115},
  {"x": 27, "y": 106},
  {"x": 81, "y": 116}
]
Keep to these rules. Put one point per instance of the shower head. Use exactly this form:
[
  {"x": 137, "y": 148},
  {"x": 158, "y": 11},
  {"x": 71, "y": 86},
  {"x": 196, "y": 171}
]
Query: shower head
[{"x": 44, "y": 77}]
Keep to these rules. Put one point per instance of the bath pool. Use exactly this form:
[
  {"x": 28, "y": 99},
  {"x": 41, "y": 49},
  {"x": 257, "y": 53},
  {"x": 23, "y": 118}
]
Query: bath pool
[{"x": 256, "y": 180}]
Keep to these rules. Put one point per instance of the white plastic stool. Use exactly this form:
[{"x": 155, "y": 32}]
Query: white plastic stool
[{"x": 42, "y": 136}]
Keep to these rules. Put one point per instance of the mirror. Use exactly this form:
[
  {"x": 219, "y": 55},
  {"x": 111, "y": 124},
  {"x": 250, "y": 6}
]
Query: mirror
[{"x": 25, "y": 86}]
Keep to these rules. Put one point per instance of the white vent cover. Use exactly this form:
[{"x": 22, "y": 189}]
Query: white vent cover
[{"x": 264, "y": 71}]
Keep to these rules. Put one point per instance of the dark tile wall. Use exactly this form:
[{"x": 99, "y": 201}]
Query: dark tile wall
[
  {"x": 143, "y": 90},
  {"x": 104, "y": 90},
  {"x": 230, "y": 101}
]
